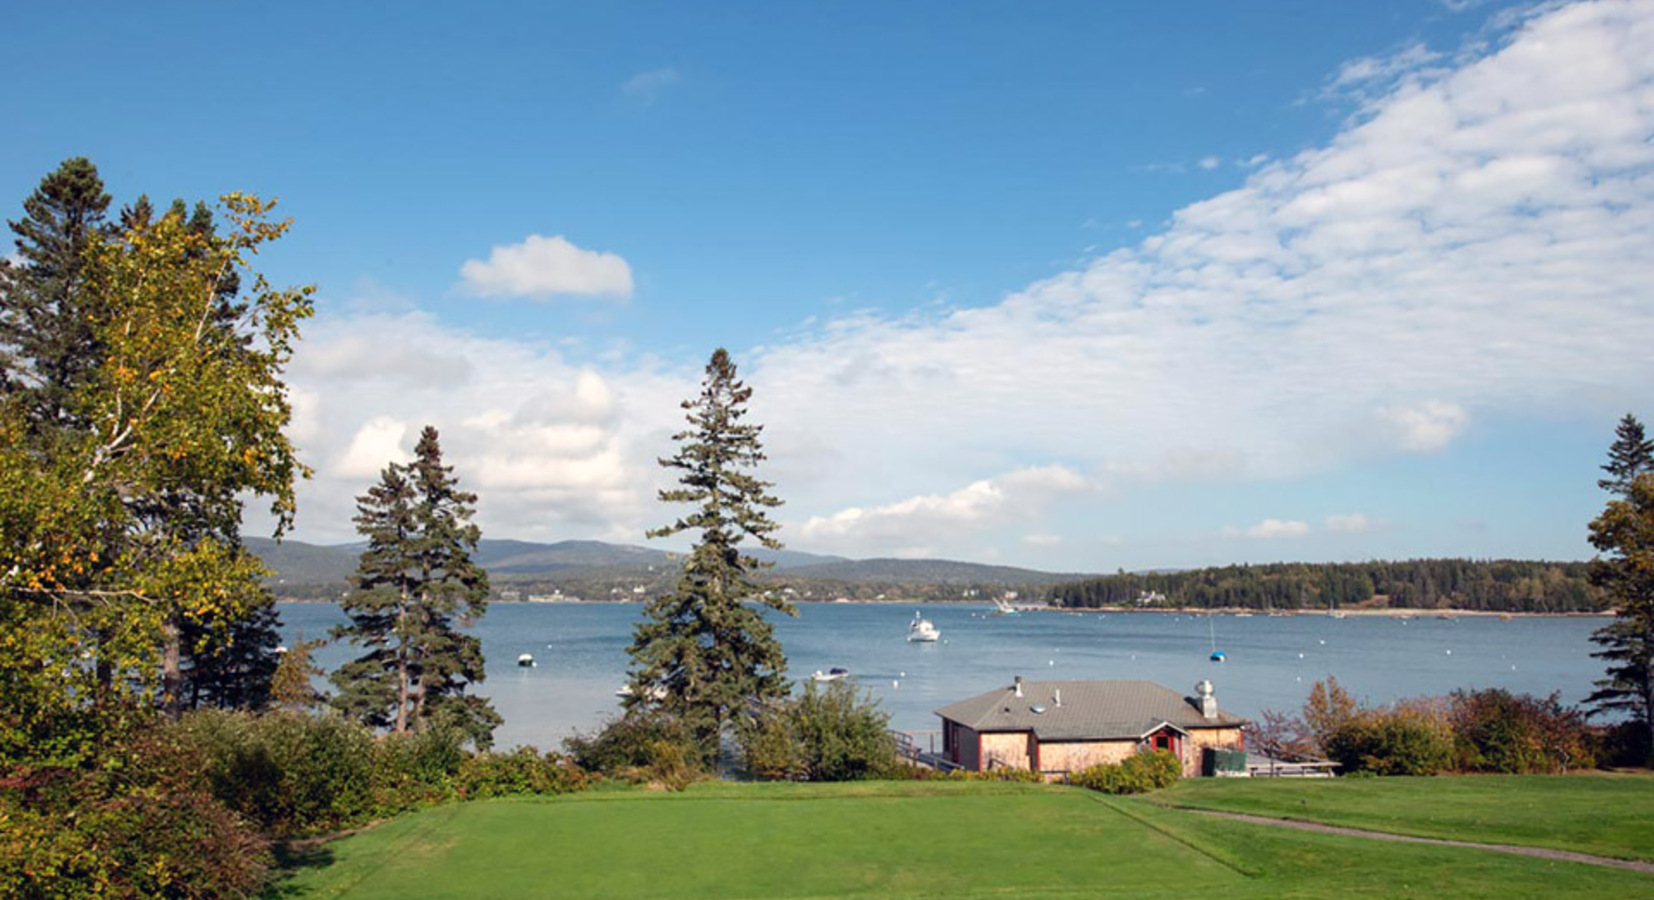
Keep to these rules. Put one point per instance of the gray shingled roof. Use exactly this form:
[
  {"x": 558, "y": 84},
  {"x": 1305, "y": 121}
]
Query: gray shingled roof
[{"x": 1091, "y": 710}]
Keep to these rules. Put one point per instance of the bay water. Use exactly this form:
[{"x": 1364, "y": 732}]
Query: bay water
[{"x": 579, "y": 652}]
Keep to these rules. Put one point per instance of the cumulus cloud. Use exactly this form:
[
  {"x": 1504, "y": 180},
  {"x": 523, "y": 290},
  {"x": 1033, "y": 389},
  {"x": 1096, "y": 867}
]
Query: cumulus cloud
[
  {"x": 378, "y": 443},
  {"x": 1209, "y": 162},
  {"x": 544, "y": 267},
  {"x": 554, "y": 449},
  {"x": 1425, "y": 427},
  {"x": 1017, "y": 496}
]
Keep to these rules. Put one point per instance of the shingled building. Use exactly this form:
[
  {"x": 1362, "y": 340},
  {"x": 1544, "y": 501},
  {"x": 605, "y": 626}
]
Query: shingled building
[{"x": 1057, "y": 727}]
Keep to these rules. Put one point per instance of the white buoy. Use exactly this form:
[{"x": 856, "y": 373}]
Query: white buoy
[
  {"x": 895, "y": 684},
  {"x": 902, "y": 674},
  {"x": 1450, "y": 653},
  {"x": 1300, "y": 656},
  {"x": 1051, "y": 662},
  {"x": 1323, "y": 643}
]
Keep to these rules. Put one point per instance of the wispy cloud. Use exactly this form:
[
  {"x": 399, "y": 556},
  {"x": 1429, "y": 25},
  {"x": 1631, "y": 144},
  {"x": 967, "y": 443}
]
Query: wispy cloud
[
  {"x": 545, "y": 267},
  {"x": 1270, "y": 529},
  {"x": 1349, "y": 523},
  {"x": 646, "y": 87}
]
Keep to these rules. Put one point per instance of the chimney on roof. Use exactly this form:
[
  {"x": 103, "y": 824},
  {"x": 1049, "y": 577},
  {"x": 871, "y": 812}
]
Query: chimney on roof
[
  {"x": 1208, "y": 702},
  {"x": 1018, "y": 685},
  {"x": 1056, "y": 697}
]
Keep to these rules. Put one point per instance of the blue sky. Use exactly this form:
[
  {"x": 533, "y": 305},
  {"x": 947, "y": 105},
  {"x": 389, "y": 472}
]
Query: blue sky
[{"x": 1075, "y": 286}]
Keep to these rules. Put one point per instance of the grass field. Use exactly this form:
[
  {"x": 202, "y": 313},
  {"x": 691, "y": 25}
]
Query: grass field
[
  {"x": 895, "y": 840},
  {"x": 1606, "y": 815}
]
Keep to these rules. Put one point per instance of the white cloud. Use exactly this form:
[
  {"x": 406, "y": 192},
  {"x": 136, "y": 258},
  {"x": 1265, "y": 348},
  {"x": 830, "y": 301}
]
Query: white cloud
[
  {"x": 1269, "y": 529},
  {"x": 1476, "y": 242},
  {"x": 1039, "y": 539},
  {"x": 1425, "y": 427},
  {"x": 1370, "y": 75},
  {"x": 543, "y": 267},
  {"x": 1018, "y": 496},
  {"x": 378, "y": 443},
  {"x": 1209, "y": 162},
  {"x": 647, "y": 86},
  {"x": 1349, "y": 523},
  {"x": 1472, "y": 248}
]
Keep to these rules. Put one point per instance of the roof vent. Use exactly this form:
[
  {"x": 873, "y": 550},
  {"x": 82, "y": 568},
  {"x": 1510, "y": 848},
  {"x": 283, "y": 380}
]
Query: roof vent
[
  {"x": 1208, "y": 702},
  {"x": 1018, "y": 685},
  {"x": 1037, "y": 709},
  {"x": 1056, "y": 698}
]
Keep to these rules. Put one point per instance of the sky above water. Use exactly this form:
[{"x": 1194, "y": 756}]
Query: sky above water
[{"x": 1075, "y": 286}]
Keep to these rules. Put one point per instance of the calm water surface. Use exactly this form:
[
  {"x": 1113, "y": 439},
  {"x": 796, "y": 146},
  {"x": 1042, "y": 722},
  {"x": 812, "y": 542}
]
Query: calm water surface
[{"x": 580, "y": 651}]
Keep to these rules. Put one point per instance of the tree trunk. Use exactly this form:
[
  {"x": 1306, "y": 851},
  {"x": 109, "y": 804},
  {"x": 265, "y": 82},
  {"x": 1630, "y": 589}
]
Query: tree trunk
[
  {"x": 172, "y": 677},
  {"x": 401, "y": 725}
]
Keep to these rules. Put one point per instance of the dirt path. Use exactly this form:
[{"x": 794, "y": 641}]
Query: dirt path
[{"x": 1538, "y": 852}]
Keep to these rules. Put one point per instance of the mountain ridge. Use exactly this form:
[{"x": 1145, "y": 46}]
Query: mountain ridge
[{"x": 297, "y": 563}]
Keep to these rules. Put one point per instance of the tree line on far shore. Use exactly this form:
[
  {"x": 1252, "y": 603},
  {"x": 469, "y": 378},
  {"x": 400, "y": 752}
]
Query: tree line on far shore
[{"x": 1499, "y": 585}]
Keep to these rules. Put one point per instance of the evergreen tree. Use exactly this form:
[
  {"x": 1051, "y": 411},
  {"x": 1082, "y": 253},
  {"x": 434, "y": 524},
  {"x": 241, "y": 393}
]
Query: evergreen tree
[
  {"x": 414, "y": 580},
  {"x": 1631, "y": 455},
  {"x": 1625, "y": 534},
  {"x": 47, "y": 346},
  {"x": 291, "y": 687},
  {"x": 233, "y": 665},
  {"x": 702, "y": 653}
]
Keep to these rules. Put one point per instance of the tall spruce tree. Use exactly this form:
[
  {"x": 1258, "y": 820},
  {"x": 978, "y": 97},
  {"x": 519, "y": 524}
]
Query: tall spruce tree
[
  {"x": 1631, "y": 454},
  {"x": 414, "y": 580},
  {"x": 1624, "y": 532},
  {"x": 702, "y": 653},
  {"x": 47, "y": 345}
]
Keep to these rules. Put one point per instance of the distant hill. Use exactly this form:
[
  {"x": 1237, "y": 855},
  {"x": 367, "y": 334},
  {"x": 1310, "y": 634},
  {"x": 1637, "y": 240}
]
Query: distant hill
[
  {"x": 298, "y": 564},
  {"x": 1484, "y": 585},
  {"x": 925, "y": 571}
]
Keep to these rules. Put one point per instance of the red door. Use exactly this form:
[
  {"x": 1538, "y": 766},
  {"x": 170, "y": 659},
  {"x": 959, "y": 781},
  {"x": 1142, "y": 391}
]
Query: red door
[{"x": 1165, "y": 740}]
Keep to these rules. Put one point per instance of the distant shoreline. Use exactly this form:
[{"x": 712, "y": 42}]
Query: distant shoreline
[{"x": 1389, "y": 612}]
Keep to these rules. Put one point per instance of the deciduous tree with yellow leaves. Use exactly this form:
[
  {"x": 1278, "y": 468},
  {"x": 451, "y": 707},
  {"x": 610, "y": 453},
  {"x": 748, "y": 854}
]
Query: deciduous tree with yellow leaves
[{"x": 121, "y": 535}]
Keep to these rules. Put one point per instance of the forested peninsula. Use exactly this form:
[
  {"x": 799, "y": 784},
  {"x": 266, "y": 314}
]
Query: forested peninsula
[{"x": 1501, "y": 585}]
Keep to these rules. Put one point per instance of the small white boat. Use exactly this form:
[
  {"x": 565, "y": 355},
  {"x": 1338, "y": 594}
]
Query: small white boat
[
  {"x": 836, "y": 673},
  {"x": 525, "y": 660},
  {"x": 920, "y": 630},
  {"x": 1002, "y": 607}
]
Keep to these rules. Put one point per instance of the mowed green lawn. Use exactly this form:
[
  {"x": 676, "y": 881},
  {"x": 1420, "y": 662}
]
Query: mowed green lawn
[
  {"x": 1601, "y": 814},
  {"x": 895, "y": 840}
]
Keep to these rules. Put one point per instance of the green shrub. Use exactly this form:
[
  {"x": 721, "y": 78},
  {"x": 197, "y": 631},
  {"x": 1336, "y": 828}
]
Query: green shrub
[
  {"x": 1410, "y": 738},
  {"x": 71, "y": 834},
  {"x": 417, "y": 768},
  {"x": 640, "y": 746},
  {"x": 522, "y": 771},
  {"x": 1497, "y": 731},
  {"x": 825, "y": 734},
  {"x": 1133, "y": 775},
  {"x": 289, "y": 774}
]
